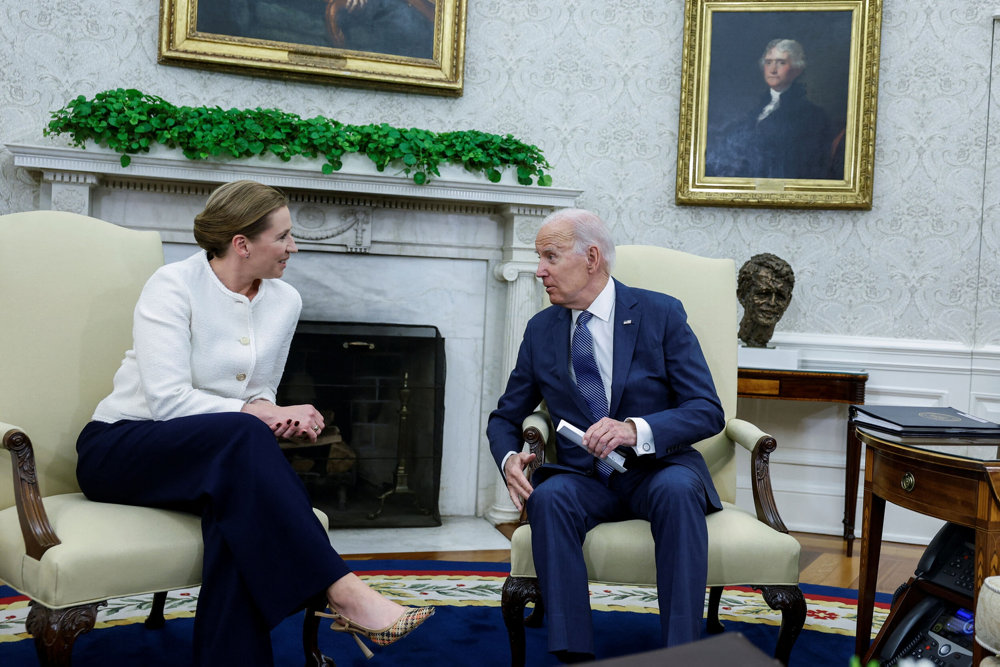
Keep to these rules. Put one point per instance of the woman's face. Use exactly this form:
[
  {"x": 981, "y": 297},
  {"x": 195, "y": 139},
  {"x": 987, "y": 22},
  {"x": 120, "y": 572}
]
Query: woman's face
[{"x": 269, "y": 252}]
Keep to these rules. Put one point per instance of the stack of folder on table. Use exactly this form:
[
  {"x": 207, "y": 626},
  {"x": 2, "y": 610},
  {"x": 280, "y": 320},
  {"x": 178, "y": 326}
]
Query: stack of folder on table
[{"x": 911, "y": 422}]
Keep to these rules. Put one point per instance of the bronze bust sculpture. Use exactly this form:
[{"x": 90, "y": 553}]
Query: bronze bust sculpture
[{"x": 764, "y": 288}]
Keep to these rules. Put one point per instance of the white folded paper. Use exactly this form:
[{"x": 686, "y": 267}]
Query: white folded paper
[{"x": 575, "y": 435}]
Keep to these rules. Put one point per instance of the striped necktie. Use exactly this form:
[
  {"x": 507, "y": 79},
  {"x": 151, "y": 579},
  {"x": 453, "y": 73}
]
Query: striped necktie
[{"x": 588, "y": 379}]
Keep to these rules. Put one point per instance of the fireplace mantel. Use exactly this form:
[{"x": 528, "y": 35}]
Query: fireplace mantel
[
  {"x": 457, "y": 253},
  {"x": 358, "y": 176}
]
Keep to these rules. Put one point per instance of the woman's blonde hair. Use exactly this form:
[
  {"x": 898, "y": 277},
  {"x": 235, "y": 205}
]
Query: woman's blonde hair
[{"x": 240, "y": 207}]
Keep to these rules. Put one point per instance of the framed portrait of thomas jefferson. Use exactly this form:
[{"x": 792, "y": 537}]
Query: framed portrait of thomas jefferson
[
  {"x": 778, "y": 103},
  {"x": 410, "y": 45}
]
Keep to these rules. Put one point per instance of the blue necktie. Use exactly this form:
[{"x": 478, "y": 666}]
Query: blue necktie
[{"x": 588, "y": 380}]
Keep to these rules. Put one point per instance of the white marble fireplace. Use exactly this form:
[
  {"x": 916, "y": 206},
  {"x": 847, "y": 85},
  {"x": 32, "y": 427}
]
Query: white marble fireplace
[{"x": 456, "y": 253}]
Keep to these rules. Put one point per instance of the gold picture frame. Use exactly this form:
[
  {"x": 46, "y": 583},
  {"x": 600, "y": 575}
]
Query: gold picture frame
[
  {"x": 407, "y": 45},
  {"x": 732, "y": 151}
]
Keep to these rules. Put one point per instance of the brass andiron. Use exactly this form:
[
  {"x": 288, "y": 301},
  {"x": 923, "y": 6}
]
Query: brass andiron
[{"x": 401, "y": 477}]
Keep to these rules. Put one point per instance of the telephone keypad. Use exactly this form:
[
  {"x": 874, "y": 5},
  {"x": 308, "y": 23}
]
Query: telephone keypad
[{"x": 958, "y": 572}]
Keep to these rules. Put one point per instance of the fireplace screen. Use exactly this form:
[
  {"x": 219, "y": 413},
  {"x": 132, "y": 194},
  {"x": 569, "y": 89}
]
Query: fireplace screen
[{"x": 380, "y": 388}]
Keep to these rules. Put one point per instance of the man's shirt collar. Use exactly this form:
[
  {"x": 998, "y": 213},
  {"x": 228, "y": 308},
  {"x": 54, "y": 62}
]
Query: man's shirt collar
[{"x": 604, "y": 305}]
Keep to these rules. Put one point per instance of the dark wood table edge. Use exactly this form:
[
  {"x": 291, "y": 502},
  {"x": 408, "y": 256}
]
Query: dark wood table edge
[{"x": 851, "y": 391}]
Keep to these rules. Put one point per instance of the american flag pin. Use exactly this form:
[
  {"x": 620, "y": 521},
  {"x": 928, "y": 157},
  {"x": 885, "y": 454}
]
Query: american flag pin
[{"x": 627, "y": 322}]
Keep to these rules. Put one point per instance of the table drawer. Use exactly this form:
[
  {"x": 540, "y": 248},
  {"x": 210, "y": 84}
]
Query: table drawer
[{"x": 928, "y": 488}]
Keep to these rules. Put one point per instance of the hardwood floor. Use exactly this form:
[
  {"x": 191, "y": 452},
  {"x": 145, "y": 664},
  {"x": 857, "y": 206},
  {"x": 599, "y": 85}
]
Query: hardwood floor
[{"x": 822, "y": 562}]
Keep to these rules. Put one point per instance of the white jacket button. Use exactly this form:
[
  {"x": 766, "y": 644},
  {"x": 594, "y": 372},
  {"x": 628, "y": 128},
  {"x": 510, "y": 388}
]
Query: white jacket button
[{"x": 245, "y": 340}]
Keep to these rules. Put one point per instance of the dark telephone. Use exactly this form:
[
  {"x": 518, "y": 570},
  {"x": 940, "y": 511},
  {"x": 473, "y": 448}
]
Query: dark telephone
[
  {"x": 949, "y": 560},
  {"x": 936, "y": 629}
]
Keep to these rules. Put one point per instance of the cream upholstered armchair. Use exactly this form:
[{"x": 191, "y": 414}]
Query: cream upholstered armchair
[
  {"x": 743, "y": 549},
  {"x": 69, "y": 284}
]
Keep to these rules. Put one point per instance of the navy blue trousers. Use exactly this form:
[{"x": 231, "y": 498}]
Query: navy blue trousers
[
  {"x": 563, "y": 507},
  {"x": 266, "y": 553}
]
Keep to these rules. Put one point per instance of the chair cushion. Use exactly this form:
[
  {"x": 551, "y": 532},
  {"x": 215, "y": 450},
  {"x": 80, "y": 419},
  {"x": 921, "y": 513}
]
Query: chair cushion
[
  {"x": 741, "y": 550},
  {"x": 107, "y": 551}
]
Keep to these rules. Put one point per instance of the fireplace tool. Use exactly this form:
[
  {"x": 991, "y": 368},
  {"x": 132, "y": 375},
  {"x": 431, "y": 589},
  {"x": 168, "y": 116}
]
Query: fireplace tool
[{"x": 401, "y": 477}]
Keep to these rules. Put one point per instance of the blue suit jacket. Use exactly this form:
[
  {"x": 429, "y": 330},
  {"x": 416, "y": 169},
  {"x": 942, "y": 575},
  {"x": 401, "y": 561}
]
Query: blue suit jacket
[{"x": 659, "y": 373}]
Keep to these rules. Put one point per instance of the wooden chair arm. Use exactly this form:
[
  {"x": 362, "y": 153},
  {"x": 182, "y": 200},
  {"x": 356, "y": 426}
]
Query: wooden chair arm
[
  {"x": 39, "y": 536},
  {"x": 535, "y": 432},
  {"x": 760, "y": 445}
]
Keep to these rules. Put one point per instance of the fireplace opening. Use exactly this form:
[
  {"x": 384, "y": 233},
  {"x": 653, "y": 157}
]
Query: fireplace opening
[{"x": 380, "y": 388}]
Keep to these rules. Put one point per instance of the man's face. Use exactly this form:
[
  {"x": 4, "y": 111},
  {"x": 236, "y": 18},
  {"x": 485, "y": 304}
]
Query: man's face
[
  {"x": 778, "y": 70},
  {"x": 563, "y": 271},
  {"x": 768, "y": 298}
]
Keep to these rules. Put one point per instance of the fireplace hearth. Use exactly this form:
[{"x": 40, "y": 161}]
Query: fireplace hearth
[{"x": 380, "y": 388}]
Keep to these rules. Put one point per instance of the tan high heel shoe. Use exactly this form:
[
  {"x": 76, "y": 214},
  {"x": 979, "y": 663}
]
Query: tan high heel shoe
[{"x": 404, "y": 625}]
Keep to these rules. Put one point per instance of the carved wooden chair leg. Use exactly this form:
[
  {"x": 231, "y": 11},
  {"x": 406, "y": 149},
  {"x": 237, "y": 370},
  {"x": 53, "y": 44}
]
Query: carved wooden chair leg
[
  {"x": 792, "y": 604},
  {"x": 310, "y": 628},
  {"x": 55, "y": 630},
  {"x": 516, "y": 593},
  {"x": 712, "y": 622},
  {"x": 537, "y": 615},
  {"x": 156, "y": 620}
]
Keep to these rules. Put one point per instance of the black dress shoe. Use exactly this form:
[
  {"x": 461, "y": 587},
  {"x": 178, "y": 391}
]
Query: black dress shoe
[{"x": 572, "y": 656}]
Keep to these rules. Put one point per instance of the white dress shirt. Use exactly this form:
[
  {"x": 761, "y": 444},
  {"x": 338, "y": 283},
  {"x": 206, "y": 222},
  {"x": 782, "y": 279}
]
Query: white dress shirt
[{"x": 602, "y": 329}]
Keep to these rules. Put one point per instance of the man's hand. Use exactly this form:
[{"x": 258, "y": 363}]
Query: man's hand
[
  {"x": 518, "y": 485},
  {"x": 603, "y": 437}
]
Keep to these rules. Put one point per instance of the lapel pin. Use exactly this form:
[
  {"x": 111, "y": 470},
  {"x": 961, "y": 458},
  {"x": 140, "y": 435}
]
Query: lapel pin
[{"x": 627, "y": 322}]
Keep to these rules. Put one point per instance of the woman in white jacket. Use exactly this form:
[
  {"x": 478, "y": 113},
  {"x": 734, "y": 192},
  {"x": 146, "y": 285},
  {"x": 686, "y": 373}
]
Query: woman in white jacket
[{"x": 191, "y": 425}]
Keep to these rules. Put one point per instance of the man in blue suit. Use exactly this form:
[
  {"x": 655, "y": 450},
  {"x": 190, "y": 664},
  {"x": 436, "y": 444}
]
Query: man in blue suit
[{"x": 650, "y": 397}]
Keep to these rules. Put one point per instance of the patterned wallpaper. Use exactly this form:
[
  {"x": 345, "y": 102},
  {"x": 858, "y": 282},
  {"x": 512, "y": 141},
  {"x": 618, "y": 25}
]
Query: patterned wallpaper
[{"x": 595, "y": 84}]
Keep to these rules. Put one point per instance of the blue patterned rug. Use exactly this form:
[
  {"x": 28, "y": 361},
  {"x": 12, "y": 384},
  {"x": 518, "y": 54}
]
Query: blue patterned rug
[{"x": 466, "y": 630}]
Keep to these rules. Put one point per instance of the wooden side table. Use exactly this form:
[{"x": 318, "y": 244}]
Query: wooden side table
[
  {"x": 824, "y": 386},
  {"x": 961, "y": 489}
]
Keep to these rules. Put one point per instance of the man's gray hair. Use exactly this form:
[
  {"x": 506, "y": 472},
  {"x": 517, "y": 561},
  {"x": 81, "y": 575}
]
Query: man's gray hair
[
  {"x": 588, "y": 230},
  {"x": 796, "y": 54}
]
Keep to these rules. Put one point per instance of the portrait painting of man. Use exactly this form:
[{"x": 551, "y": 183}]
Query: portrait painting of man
[{"x": 777, "y": 95}]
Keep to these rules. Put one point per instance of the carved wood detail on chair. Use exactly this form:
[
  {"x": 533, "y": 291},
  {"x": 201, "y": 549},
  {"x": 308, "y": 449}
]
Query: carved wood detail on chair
[
  {"x": 517, "y": 592},
  {"x": 55, "y": 630},
  {"x": 792, "y": 605},
  {"x": 763, "y": 494},
  {"x": 39, "y": 536}
]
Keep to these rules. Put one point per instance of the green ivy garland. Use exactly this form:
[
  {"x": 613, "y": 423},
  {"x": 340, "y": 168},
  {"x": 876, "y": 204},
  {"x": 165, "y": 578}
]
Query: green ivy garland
[{"x": 130, "y": 121}]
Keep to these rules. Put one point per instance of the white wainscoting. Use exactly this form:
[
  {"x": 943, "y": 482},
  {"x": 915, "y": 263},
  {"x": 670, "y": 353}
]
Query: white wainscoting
[{"x": 808, "y": 468}]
